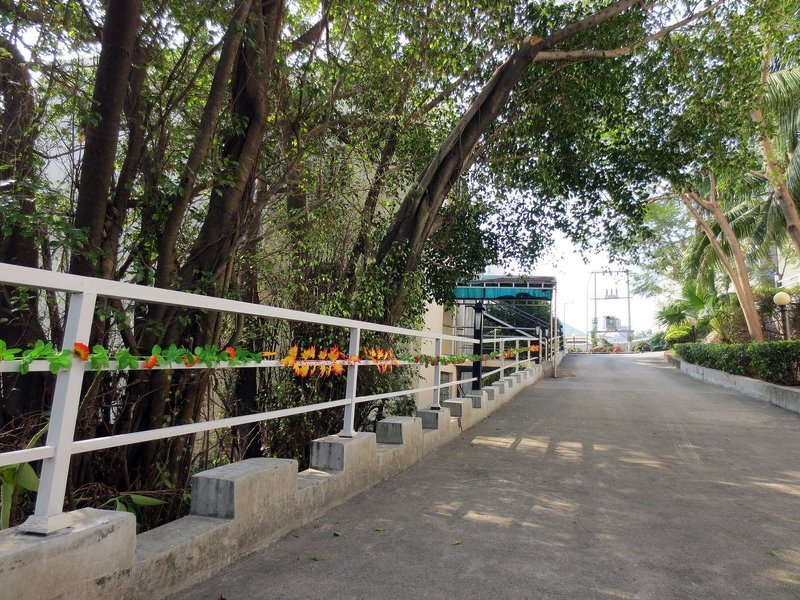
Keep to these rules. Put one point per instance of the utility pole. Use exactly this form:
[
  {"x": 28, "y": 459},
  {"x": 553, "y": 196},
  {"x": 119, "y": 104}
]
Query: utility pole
[
  {"x": 628, "y": 295},
  {"x": 613, "y": 294}
]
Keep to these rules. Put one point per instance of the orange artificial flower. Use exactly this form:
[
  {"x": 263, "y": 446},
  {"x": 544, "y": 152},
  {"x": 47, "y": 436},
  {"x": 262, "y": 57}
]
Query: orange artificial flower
[
  {"x": 268, "y": 354},
  {"x": 335, "y": 354},
  {"x": 309, "y": 353},
  {"x": 151, "y": 362},
  {"x": 81, "y": 351},
  {"x": 337, "y": 368},
  {"x": 323, "y": 354},
  {"x": 231, "y": 352},
  {"x": 190, "y": 360},
  {"x": 291, "y": 357}
]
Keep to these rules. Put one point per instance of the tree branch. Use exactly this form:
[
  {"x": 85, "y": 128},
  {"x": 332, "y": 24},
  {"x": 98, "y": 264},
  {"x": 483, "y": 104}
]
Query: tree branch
[
  {"x": 576, "y": 55},
  {"x": 314, "y": 33}
]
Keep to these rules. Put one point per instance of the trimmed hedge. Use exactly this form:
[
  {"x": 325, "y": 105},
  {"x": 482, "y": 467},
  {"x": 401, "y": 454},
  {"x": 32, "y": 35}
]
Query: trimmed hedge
[{"x": 776, "y": 362}]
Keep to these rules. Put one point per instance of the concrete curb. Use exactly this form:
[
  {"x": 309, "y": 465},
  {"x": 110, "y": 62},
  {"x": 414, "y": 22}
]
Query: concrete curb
[
  {"x": 782, "y": 396},
  {"x": 236, "y": 509}
]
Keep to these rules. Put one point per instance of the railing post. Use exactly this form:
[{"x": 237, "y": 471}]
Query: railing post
[
  {"x": 556, "y": 346},
  {"x": 539, "y": 339},
  {"x": 516, "y": 355},
  {"x": 477, "y": 348},
  {"x": 348, "y": 429},
  {"x": 48, "y": 516},
  {"x": 437, "y": 352},
  {"x": 502, "y": 358}
]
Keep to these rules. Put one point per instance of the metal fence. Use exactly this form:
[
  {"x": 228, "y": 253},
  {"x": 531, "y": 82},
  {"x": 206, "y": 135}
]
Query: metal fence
[{"x": 83, "y": 293}]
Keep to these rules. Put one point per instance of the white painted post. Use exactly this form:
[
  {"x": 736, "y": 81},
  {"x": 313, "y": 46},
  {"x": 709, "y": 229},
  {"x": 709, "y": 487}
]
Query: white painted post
[
  {"x": 49, "y": 516},
  {"x": 539, "y": 336},
  {"x": 352, "y": 378},
  {"x": 554, "y": 334},
  {"x": 516, "y": 356},
  {"x": 502, "y": 359},
  {"x": 437, "y": 351}
]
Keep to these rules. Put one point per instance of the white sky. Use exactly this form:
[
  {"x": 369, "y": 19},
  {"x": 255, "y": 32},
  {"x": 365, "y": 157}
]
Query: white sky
[{"x": 574, "y": 280}]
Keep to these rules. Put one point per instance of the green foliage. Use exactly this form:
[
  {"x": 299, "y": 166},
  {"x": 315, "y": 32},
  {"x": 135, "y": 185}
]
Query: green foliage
[
  {"x": 134, "y": 503},
  {"x": 655, "y": 343},
  {"x": 14, "y": 479},
  {"x": 7, "y": 353},
  {"x": 460, "y": 250},
  {"x": 679, "y": 333},
  {"x": 777, "y": 362}
]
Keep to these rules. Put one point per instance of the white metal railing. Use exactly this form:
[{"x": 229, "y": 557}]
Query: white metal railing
[
  {"x": 788, "y": 280},
  {"x": 83, "y": 292}
]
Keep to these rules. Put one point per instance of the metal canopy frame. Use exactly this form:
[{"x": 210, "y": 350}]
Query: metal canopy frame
[
  {"x": 525, "y": 289},
  {"x": 507, "y": 288}
]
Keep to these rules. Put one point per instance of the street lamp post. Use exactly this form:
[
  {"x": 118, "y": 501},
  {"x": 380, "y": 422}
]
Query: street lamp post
[{"x": 782, "y": 299}]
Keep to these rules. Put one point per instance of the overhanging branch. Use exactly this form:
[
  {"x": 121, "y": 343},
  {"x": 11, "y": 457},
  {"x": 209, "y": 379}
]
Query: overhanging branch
[{"x": 577, "y": 55}]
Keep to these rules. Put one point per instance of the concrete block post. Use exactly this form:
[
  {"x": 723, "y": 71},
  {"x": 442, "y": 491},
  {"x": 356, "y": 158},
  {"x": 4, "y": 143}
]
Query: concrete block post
[
  {"x": 459, "y": 407},
  {"x": 93, "y": 557},
  {"x": 401, "y": 443},
  {"x": 398, "y": 430},
  {"x": 231, "y": 491},
  {"x": 478, "y": 399},
  {"x": 462, "y": 408},
  {"x": 434, "y": 419},
  {"x": 500, "y": 387},
  {"x": 335, "y": 453}
]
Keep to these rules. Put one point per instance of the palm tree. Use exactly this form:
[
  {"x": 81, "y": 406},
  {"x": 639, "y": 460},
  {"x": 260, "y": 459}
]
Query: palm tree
[
  {"x": 690, "y": 313},
  {"x": 782, "y": 155},
  {"x": 709, "y": 212}
]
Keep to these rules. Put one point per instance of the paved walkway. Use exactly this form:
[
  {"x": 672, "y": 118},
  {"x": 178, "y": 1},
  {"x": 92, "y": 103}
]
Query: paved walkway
[{"x": 627, "y": 480}]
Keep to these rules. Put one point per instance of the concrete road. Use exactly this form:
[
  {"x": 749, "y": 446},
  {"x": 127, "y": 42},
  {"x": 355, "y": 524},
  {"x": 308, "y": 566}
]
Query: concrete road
[{"x": 626, "y": 480}]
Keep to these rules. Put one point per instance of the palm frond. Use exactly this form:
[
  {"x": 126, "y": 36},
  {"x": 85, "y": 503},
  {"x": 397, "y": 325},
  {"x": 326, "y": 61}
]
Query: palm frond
[{"x": 782, "y": 96}]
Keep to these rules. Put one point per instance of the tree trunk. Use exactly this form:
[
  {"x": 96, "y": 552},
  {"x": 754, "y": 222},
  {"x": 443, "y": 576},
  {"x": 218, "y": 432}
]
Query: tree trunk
[
  {"x": 102, "y": 130},
  {"x": 167, "y": 265},
  {"x": 209, "y": 266},
  {"x": 737, "y": 272},
  {"x": 20, "y": 324}
]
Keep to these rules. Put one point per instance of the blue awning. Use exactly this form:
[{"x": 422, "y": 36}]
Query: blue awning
[{"x": 502, "y": 293}]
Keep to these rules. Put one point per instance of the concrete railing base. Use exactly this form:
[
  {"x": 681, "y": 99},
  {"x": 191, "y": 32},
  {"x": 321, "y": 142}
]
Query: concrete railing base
[
  {"x": 782, "y": 396},
  {"x": 92, "y": 558},
  {"x": 236, "y": 509}
]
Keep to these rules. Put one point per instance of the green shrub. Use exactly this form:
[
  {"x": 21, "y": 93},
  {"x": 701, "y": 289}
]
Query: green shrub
[
  {"x": 776, "y": 362},
  {"x": 657, "y": 342},
  {"x": 678, "y": 333}
]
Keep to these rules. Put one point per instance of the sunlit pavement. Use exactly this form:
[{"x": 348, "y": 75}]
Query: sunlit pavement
[{"x": 623, "y": 479}]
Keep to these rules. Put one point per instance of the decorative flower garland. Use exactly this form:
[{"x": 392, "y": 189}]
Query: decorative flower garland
[
  {"x": 323, "y": 362},
  {"x": 452, "y": 359}
]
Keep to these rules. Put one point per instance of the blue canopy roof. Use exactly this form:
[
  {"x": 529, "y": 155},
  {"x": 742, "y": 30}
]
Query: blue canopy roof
[{"x": 507, "y": 288}]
